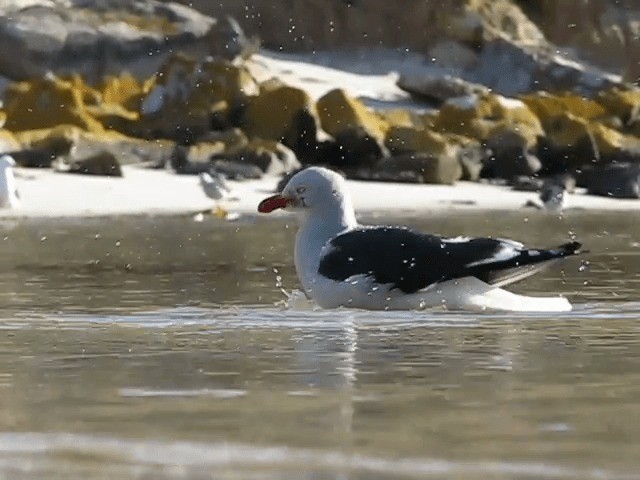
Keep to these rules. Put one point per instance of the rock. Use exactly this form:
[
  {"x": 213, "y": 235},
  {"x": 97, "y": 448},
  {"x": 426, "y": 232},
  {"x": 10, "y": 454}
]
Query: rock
[
  {"x": 510, "y": 162},
  {"x": 8, "y": 142},
  {"x": 272, "y": 158},
  {"x": 411, "y": 140},
  {"x": 339, "y": 111},
  {"x": 510, "y": 156},
  {"x": 233, "y": 138},
  {"x": 227, "y": 40},
  {"x": 102, "y": 163},
  {"x": 237, "y": 170},
  {"x": 603, "y": 31},
  {"x": 451, "y": 55},
  {"x": 106, "y": 37},
  {"x": 536, "y": 68},
  {"x": 401, "y": 117},
  {"x": 573, "y": 142},
  {"x": 29, "y": 158},
  {"x": 478, "y": 117},
  {"x": 49, "y": 102},
  {"x": 358, "y": 131},
  {"x": 547, "y": 106},
  {"x": 57, "y": 142},
  {"x": 624, "y": 104},
  {"x": 285, "y": 114},
  {"x": 125, "y": 90},
  {"x": 525, "y": 183},
  {"x": 615, "y": 180},
  {"x": 437, "y": 89},
  {"x": 195, "y": 158},
  {"x": 216, "y": 92},
  {"x": 428, "y": 168}
]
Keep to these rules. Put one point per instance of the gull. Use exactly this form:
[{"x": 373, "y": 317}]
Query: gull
[{"x": 341, "y": 263}]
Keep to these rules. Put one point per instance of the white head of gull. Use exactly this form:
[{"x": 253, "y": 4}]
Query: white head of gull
[
  {"x": 9, "y": 197},
  {"x": 343, "y": 264}
]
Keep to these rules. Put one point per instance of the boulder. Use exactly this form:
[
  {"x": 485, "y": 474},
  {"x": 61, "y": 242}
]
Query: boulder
[
  {"x": 125, "y": 90},
  {"x": 623, "y": 104},
  {"x": 48, "y": 102},
  {"x": 572, "y": 142},
  {"x": 510, "y": 156},
  {"x": 285, "y": 114},
  {"x": 536, "y": 67},
  {"x": 271, "y": 157},
  {"x": 424, "y": 167},
  {"x": 216, "y": 92},
  {"x": 478, "y": 117},
  {"x": 106, "y": 37},
  {"x": 437, "y": 89},
  {"x": 102, "y": 163},
  {"x": 615, "y": 180},
  {"x": 358, "y": 131},
  {"x": 411, "y": 140},
  {"x": 547, "y": 106},
  {"x": 8, "y": 142},
  {"x": 401, "y": 117}
]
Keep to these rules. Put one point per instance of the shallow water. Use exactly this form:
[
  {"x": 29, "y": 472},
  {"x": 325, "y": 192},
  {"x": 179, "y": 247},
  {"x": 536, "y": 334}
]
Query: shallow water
[{"x": 159, "y": 348}]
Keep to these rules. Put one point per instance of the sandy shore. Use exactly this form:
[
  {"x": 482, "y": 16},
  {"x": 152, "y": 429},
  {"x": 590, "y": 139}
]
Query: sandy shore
[{"x": 160, "y": 192}]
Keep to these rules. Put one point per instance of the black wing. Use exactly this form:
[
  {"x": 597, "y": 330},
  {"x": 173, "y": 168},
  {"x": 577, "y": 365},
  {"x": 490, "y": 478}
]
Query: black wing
[{"x": 412, "y": 261}]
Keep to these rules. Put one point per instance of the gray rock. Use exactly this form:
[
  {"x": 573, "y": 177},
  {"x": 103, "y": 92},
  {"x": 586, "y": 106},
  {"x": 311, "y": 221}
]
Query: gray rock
[
  {"x": 423, "y": 167},
  {"x": 96, "y": 38},
  {"x": 510, "y": 158},
  {"x": 509, "y": 69},
  {"x": 102, "y": 163},
  {"x": 439, "y": 88},
  {"x": 615, "y": 180},
  {"x": 525, "y": 183}
]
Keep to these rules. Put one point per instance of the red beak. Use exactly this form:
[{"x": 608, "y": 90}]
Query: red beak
[{"x": 272, "y": 203}]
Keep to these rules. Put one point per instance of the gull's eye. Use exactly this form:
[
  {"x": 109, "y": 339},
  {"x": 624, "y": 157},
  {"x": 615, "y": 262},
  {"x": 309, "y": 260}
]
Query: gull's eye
[{"x": 301, "y": 190}]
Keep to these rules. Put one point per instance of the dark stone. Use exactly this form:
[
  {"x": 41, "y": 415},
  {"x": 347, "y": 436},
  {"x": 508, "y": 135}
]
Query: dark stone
[
  {"x": 615, "y": 180},
  {"x": 423, "y": 167},
  {"x": 33, "y": 158},
  {"x": 353, "y": 148},
  {"x": 236, "y": 170},
  {"x": 102, "y": 163},
  {"x": 523, "y": 183},
  {"x": 436, "y": 89},
  {"x": 509, "y": 161},
  {"x": 97, "y": 38}
]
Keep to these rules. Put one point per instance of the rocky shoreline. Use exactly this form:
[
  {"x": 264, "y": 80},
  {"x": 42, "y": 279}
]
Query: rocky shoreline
[{"x": 162, "y": 86}]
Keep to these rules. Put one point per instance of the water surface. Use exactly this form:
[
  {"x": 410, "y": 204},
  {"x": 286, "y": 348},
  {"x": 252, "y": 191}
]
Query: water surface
[{"x": 160, "y": 348}]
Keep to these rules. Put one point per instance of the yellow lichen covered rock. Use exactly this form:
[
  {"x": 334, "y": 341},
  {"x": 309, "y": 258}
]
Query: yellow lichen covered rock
[
  {"x": 547, "y": 106},
  {"x": 400, "y": 117},
  {"x": 282, "y": 113},
  {"x": 624, "y": 104},
  {"x": 567, "y": 132},
  {"x": 48, "y": 102},
  {"x": 8, "y": 142},
  {"x": 189, "y": 97},
  {"x": 125, "y": 90},
  {"x": 3, "y": 118},
  {"x": 409, "y": 139},
  {"x": 478, "y": 116},
  {"x": 339, "y": 112}
]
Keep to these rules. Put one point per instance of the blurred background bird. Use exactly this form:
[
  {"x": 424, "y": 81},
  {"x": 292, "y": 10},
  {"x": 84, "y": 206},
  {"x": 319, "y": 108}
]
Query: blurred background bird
[
  {"x": 216, "y": 188},
  {"x": 552, "y": 195},
  {"x": 9, "y": 197}
]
